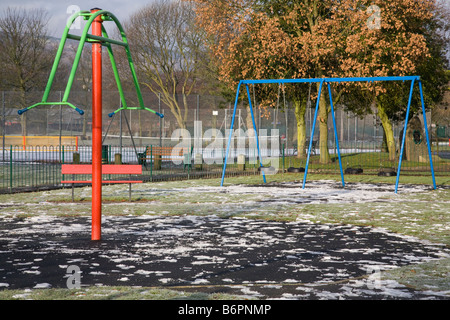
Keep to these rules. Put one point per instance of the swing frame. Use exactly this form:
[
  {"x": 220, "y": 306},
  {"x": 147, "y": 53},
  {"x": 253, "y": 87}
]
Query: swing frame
[{"x": 328, "y": 82}]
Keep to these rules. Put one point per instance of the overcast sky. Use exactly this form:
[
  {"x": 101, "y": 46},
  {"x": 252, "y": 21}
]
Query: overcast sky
[{"x": 60, "y": 10}]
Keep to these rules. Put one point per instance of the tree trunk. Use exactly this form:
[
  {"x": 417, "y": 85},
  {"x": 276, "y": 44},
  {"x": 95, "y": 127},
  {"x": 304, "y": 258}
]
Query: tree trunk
[
  {"x": 249, "y": 122},
  {"x": 186, "y": 111},
  {"x": 23, "y": 117},
  {"x": 85, "y": 119},
  {"x": 173, "y": 103},
  {"x": 388, "y": 131},
  {"x": 300, "y": 110},
  {"x": 323, "y": 128},
  {"x": 23, "y": 121}
]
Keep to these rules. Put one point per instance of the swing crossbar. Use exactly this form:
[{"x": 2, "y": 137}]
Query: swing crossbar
[{"x": 328, "y": 80}]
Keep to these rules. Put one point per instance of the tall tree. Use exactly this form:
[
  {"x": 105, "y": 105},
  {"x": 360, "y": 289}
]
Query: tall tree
[
  {"x": 309, "y": 38},
  {"x": 402, "y": 43},
  {"x": 272, "y": 39},
  {"x": 25, "y": 57},
  {"x": 168, "y": 50},
  {"x": 441, "y": 114}
]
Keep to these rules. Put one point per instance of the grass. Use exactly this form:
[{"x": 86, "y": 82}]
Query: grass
[
  {"x": 433, "y": 275},
  {"x": 110, "y": 293}
]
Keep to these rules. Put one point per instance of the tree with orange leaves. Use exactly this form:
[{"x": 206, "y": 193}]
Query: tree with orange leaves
[
  {"x": 312, "y": 38},
  {"x": 268, "y": 39},
  {"x": 387, "y": 38}
]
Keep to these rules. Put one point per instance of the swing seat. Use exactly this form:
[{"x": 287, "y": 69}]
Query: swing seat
[
  {"x": 387, "y": 173},
  {"x": 267, "y": 170},
  {"x": 350, "y": 170},
  {"x": 295, "y": 170}
]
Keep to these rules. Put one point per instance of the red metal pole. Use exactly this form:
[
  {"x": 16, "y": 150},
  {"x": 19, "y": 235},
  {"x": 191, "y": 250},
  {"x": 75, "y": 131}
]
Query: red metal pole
[{"x": 96, "y": 129}]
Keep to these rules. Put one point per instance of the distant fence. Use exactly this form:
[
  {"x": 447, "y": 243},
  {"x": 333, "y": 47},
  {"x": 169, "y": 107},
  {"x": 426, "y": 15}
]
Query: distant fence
[
  {"x": 27, "y": 142},
  {"x": 373, "y": 159},
  {"x": 39, "y": 167}
]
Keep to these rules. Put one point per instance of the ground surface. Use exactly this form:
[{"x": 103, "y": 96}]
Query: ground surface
[{"x": 276, "y": 241}]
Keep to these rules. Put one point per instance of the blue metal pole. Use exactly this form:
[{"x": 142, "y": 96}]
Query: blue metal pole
[
  {"x": 335, "y": 134},
  {"x": 231, "y": 133},
  {"x": 312, "y": 133},
  {"x": 256, "y": 133},
  {"x": 426, "y": 133},
  {"x": 314, "y": 80},
  {"x": 404, "y": 135}
]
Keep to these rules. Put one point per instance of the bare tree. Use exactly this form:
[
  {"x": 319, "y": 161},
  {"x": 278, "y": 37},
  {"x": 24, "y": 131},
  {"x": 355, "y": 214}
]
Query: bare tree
[
  {"x": 441, "y": 111},
  {"x": 24, "y": 55},
  {"x": 442, "y": 17},
  {"x": 167, "y": 48}
]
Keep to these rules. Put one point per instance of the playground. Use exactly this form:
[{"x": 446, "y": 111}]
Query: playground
[
  {"x": 244, "y": 240},
  {"x": 267, "y": 233}
]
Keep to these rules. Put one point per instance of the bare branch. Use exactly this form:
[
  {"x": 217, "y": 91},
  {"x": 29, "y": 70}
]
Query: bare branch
[{"x": 168, "y": 48}]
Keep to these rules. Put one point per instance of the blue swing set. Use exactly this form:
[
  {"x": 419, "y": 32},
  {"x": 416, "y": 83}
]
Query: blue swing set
[{"x": 328, "y": 82}]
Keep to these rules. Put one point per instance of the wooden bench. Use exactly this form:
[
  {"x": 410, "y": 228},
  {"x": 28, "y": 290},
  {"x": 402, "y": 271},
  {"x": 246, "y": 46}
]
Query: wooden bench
[
  {"x": 313, "y": 146},
  {"x": 156, "y": 155},
  {"x": 86, "y": 169}
]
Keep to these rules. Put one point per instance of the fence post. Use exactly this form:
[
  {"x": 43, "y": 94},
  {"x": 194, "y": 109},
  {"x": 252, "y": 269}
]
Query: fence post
[
  {"x": 151, "y": 163},
  {"x": 10, "y": 168},
  {"x": 3, "y": 125}
]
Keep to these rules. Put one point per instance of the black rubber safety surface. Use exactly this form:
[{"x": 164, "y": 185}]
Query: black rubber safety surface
[{"x": 262, "y": 259}]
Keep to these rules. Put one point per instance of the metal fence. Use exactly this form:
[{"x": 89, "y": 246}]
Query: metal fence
[
  {"x": 40, "y": 167},
  {"x": 34, "y": 160}
]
